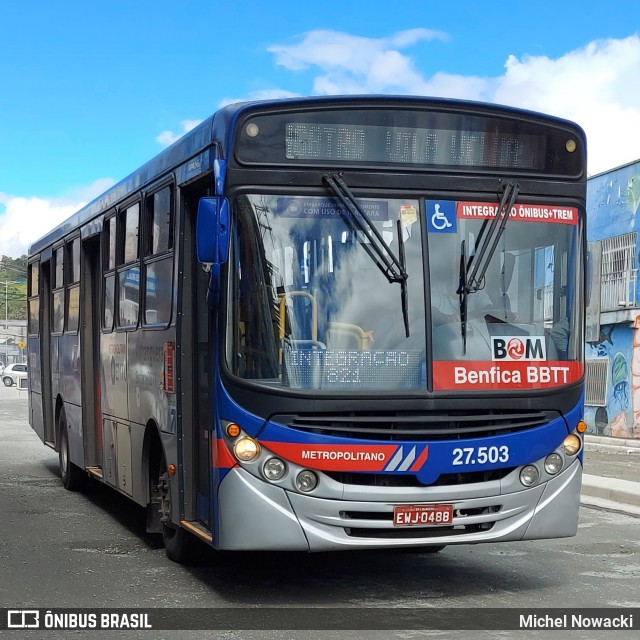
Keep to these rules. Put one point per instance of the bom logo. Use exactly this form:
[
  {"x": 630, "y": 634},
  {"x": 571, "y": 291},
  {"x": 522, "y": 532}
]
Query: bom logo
[{"x": 518, "y": 348}]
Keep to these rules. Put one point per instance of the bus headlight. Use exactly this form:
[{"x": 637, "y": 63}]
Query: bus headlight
[
  {"x": 274, "y": 469},
  {"x": 306, "y": 481},
  {"x": 572, "y": 444},
  {"x": 529, "y": 475},
  {"x": 246, "y": 449},
  {"x": 553, "y": 463}
]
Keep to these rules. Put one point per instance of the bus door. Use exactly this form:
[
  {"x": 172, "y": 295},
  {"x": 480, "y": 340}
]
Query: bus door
[
  {"x": 45, "y": 353},
  {"x": 197, "y": 371},
  {"x": 89, "y": 348}
]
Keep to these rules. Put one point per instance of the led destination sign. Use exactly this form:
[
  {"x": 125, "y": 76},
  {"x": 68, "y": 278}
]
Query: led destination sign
[
  {"x": 404, "y": 145},
  {"x": 417, "y": 138}
]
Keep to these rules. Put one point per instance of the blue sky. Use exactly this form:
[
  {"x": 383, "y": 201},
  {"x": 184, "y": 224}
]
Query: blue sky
[{"x": 90, "y": 90}]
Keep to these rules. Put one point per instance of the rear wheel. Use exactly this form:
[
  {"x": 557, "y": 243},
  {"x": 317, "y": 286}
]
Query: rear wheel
[
  {"x": 73, "y": 478},
  {"x": 8, "y": 382}
]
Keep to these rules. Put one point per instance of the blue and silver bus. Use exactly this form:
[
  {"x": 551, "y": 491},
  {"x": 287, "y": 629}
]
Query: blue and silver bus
[{"x": 326, "y": 323}]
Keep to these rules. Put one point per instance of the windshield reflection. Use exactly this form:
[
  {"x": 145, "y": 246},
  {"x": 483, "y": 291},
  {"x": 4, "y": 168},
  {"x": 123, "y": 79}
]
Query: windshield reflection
[{"x": 310, "y": 307}]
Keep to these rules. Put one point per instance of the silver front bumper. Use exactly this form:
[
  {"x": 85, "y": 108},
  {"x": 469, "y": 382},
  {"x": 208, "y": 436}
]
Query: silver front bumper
[{"x": 256, "y": 515}]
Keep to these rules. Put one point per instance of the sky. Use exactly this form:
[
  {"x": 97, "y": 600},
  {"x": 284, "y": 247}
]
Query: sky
[{"x": 92, "y": 89}]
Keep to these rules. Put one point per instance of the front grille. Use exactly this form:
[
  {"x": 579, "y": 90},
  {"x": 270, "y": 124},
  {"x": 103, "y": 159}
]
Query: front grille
[
  {"x": 418, "y": 532},
  {"x": 390, "y": 480},
  {"x": 431, "y": 425}
]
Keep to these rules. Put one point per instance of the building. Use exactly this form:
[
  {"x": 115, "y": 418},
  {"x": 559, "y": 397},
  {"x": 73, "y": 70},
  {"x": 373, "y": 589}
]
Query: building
[
  {"x": 13, "y": 333},
  {"x": 613, "y": 312}
]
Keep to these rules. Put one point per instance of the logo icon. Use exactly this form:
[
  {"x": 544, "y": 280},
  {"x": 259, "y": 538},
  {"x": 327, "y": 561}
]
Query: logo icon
[
  {"x": 23, "y": 619},
  {"x": 441, "y": 216},
  {"x": 515, "y": 348}
]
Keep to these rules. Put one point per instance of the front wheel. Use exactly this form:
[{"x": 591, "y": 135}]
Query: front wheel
[
  {"x": 179, "y": 545},
  {"x": 8, "y": 382},
  {"x": 72, "y": 476}
]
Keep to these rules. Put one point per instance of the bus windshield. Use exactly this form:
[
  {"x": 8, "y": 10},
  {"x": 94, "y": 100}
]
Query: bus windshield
[{"x": 310, "y": 307}]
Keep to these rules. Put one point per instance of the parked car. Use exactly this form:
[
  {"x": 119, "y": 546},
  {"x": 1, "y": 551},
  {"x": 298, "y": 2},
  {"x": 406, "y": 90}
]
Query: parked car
[{"x": 14, "y": 373}]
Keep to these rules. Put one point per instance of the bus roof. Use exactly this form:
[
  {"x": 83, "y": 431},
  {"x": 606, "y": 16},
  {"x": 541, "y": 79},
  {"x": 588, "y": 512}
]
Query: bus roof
[{"x": 215, "y": 129}]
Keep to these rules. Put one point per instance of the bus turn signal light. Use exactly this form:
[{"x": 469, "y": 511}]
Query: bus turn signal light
[
  {"x": 582, "y": 427},
  {"x": 233, "y": 430}
]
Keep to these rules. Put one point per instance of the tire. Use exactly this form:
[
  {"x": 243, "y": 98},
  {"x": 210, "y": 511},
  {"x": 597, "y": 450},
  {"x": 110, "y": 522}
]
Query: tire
[
  {"x": 179, "y": 545},
  {"x": 8, "y": 382},
  {"x": 73, "y": 478}
]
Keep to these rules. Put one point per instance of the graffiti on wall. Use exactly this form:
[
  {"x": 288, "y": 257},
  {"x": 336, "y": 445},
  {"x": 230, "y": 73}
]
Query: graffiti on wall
[
  {"x": 613, "y": 204},
  {"x": 620, "y": 417}
]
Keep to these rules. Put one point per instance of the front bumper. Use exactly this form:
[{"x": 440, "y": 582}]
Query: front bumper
[{"x": 256, "y": 515}]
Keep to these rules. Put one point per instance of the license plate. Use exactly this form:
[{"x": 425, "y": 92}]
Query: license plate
[{"x": 422, "y": 515}]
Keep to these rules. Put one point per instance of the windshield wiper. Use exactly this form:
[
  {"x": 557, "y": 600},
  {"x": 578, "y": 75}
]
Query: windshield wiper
[
  {"x": 404, "y": 297},
  {"x": 479, "y": 263},
  {"x": 392, "y": 267},
  {"x": 463, "y": 293}
]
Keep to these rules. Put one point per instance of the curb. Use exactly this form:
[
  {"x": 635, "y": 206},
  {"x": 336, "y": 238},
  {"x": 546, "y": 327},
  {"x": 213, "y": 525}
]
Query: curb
[
  {"x": 622, "y": 496},
  {"x": 616, "y": 443},
  {"x": 612, "y": 489},
  {"x": 611, "y": 494}
]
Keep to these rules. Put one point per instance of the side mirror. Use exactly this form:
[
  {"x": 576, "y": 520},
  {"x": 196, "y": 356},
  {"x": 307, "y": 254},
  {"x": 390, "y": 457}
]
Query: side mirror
[{"x": 212, "y": 231}]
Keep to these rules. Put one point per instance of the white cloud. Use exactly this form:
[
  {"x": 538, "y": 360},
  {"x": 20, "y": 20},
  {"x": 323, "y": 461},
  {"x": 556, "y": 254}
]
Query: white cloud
[
  {"x": 169, "y": 137},
  {"x": 25, "y": 219},
  {"x": 355, "y": 64},
  {"x": 596, "y": 85}
]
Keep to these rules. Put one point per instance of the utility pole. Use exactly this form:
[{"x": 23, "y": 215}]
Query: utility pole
[{"x": 6, "y": 316}]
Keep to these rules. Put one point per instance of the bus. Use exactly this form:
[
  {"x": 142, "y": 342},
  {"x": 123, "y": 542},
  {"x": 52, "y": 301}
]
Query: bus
[{"x": 328, "y": 323}]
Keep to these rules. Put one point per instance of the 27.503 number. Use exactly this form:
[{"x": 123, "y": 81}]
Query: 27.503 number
[{"x": 480, "y": 455}]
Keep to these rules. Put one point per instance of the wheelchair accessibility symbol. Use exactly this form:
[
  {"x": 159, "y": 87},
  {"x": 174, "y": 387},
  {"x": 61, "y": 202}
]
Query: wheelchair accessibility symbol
[{"x": 441, "y": 216}]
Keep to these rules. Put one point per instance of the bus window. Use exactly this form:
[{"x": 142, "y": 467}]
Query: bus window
[
  {"x": 160, "y": 220},
  {"x": 109, "y": 264},
  {"x": 159, "y": 261},
  {"x": 34, "y": 300},
  {"x": 57, "y": 319},
  {"x": 73, "y": 290},
  {"x": 131, "y": 227},
  {"x": 110, "y": 257},
  {"x": 109, "y": 302},
  {"x": 129, "y": 278},
  {"x": 129, "y": 287}
]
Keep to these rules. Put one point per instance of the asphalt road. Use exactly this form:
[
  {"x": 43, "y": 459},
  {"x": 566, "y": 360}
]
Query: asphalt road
[
  {"x": 613, "y": 464},
  {"x": 62, "y": 549}
]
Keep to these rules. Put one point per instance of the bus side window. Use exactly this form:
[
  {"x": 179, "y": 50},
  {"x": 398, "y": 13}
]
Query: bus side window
[
  {"x": 73, "y": 285},
  {"x": 128, "y": 281},
  {"x": 34, "y": 299},
  {"x": 57, "y": 319},
  {"x": 158, "y": 280},
  {"x": 108, "y": 267}
]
